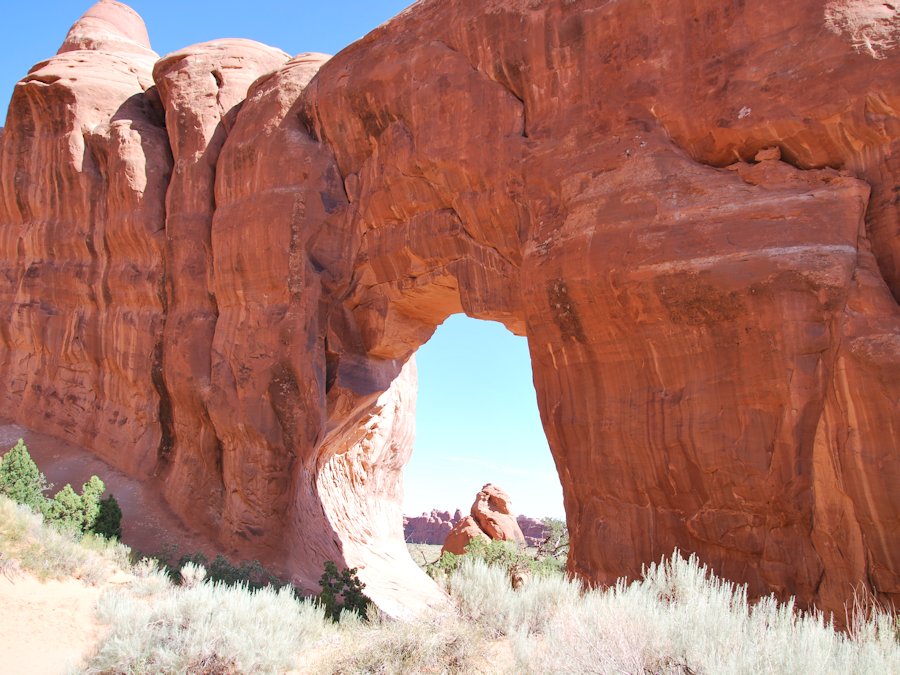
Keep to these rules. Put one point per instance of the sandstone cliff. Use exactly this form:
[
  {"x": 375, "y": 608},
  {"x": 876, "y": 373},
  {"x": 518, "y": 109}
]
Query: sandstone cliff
[
  {"x": 429, "y": 528},
  {"x": 217, "y": 266}
]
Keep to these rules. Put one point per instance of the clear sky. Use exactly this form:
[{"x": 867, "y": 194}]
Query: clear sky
[
  {"x": 477, "y": 422},
  {"x": 477, "y": 418}
]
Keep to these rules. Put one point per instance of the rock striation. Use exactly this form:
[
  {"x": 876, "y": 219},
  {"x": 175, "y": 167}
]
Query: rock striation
[
  {"x": 215, "y": 269},
  {"x": 490, "y": 519}
]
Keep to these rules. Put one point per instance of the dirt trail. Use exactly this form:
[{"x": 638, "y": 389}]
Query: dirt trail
[
  {"x": 46, "y": 627},
  {"x": 147, "y": 522}
]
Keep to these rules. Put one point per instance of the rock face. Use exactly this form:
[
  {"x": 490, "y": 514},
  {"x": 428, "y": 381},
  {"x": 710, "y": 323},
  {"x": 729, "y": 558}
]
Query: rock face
[
  {"x": 429, "y": 528},
  {"x": 85, "y": 164},
  {"x": 533, "y": 529},
  {"x": 228, "y": 294},
  {"x": 463, "y": 534},
  {"x": 489, "y": 519},
  {"x": 433, "y": 528}
]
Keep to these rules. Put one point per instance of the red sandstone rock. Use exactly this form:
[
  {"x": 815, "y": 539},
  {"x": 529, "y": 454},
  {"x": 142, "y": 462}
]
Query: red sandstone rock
[
  {"x": 429, "y": 528},
  {"x": 490, "y": 519},
  {"x": 462, "y": 534},
  {"x": 84, "y": 167},
  {"x": 715, "y": 343},
  {"x": 201, "y": 88},
  {"x": 491, "y": 511},
  {"x": 533, "y": 530}
]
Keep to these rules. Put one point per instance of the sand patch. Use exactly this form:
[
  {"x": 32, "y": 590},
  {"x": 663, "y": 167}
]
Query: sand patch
[{"x": 46, "y": 627}]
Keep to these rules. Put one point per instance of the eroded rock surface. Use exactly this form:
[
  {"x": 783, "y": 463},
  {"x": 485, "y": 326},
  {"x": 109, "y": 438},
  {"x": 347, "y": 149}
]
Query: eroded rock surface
[
  {"x": 715, "y": 343},
  {"x": 430, "y": 528},
  {"x": 85, "y": 164},
  {"x": 490, "y": 519}
]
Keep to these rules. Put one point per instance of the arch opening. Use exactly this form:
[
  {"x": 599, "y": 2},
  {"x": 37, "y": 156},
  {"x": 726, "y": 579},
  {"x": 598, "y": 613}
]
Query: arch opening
[{"x": 477, "y": 422}]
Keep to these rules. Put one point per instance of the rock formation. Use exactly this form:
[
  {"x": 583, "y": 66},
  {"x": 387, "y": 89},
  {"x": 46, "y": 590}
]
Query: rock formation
[
  {"x": 533, "y": 530},
  {"x": 429, "y": 528},
  {"x": 433, "y": 528},
  {"x": 227, "y": 293},
  {"x": 490, "y": 519}
]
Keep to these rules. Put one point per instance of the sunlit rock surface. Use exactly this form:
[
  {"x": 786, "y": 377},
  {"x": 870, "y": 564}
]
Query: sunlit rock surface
[
  {"x": 690, "y": 209},
  {"x": 490, "y": 519}
]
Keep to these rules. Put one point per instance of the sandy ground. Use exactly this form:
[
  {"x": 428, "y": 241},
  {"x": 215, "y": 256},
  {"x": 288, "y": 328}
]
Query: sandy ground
[
  {"x": 46, "y": 627},
  {"x": 147, "y": 522}
]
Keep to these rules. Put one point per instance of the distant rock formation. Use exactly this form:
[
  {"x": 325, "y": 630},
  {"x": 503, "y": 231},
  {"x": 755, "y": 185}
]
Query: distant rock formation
[
  {"x": 430, "y": 528},
  {"x": 533, "y": 529},
  {"x": 433, "y": 528},
  {"x": 490, "y": 518}
]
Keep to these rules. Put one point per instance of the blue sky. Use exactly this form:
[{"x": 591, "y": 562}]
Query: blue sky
[
  {"x": 477, "y": 418},
  {"x": 477, "y": 421}
]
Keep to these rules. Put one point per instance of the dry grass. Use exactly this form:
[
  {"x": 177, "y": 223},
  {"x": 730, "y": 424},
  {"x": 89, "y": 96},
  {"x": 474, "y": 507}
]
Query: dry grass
[
  {"x": 205, "y": 628},
  {"x": 678, "y": 619},
  {"x": 424, "y": 554},
  {"x": 49, "y": 553}
]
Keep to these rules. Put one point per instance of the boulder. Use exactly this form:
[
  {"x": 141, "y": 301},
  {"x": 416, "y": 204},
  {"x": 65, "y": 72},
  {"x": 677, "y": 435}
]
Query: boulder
[
  {"x": 462, "y": 534},
  {"x": 490, "y": 519}
]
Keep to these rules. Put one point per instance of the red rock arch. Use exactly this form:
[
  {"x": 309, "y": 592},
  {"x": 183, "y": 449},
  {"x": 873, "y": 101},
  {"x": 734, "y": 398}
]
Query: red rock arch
[{"x": 713, "y": 338}]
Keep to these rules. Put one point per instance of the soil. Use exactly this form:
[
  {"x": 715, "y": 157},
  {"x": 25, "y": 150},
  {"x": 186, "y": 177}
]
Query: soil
[{"x": 47, "y": 627}]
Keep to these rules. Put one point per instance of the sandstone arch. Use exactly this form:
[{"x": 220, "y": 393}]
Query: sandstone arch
[{"x": 714, "y": 342}]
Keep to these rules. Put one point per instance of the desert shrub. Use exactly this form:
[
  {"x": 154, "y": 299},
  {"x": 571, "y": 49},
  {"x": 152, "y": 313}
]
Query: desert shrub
[
  {"x": 86, "y": 512},
  {"x": 556, "y": 541},
  {"x": 49, "y": 552},
  {"x": 205, "y": 628},
  {"x": 66, "y": 510},
  {"x": 503, "y": 554},
  {"x": 23, "y": 482},
  {"x": 342, "y": 591},
  {"x": 109, "y": 519},
  {"x": 20, "y": 478},
  {"x": 248, "y": 574},
  {"x": 680, "y": 618},
  {"x": 430, "y": 644}
]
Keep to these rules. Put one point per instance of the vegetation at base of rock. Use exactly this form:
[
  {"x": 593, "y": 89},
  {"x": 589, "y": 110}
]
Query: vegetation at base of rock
[
  {"x": 109, "y": 519},
  {"x": 677, "y": 618},
  {"x": 54, "y": 553},
  {"x": 87, "y": 513},
  {"x": 505, "y": 555},
  {"x": 556, "y": 540},
  {"x": 249, "y": 574},
  {"x": 205, "y": 627},
  {"x": 342, "y": 591}
]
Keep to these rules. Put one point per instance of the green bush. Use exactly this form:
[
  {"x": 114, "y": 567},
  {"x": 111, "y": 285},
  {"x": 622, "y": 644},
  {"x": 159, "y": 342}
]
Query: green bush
[
  {"x": 21, "y": 480},
  {"x": 342, "y": 591},
  {"x": 249, "y": 574},
  {"x": 66, "y": 510},
  {"x": 504, "y": 554},
  {"x": 556, "y": 540},
  {"x": 109, "y": 519}
]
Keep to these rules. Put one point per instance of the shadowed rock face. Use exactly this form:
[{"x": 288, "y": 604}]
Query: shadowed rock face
[{"x": 715, "y": 345}]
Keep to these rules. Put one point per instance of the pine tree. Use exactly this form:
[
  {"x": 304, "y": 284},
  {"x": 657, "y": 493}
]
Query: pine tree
[
  {"x": 66, "y": 510},
  {"x": 109, "y": 520},
  {"x": 91, "y": 492},
  {"x": 21, "y": 480}
]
